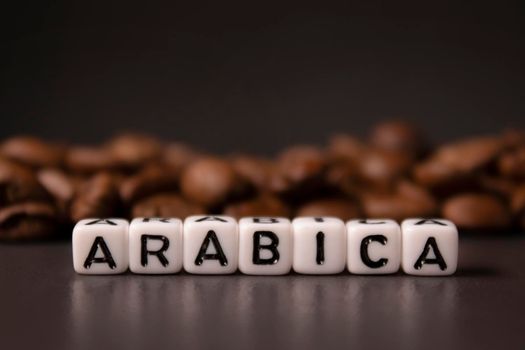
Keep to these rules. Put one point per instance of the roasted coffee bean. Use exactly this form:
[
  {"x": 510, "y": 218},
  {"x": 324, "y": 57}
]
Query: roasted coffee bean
[
  {"x": 518, "y": 205},
  {"x": 512, "y": 164},
  {"x": 301, "y": 163},
  {"x": 256, "y": 171},
  {"x": 152, "y": 179},
  {"x": 346, "y": 147},
  {"x": 98, "y": 197},
  {"x": 166, "y": 205},
  {"x": 18, "y": 183},
  {"x": 408, "y": 200},
  {"x": 477, "y": 211},
  {"x": 32, "y": 151},
  {"x": 471, "y": 154},
  {"x": 28, "y": 220},
  {"x": 133, "y": 150},
  {"x": 263, "y": 205},
  {"x": 341, "y": 208},
  {"x": 208, "y": 181},
  {"x": 453, "y": 167},
  {"x": 176, "y": 156},
  {"x": 497, "y": 185},
  {"x": 397, "y": 136},
  {"x": 89, "y": 160},
  {"x": 383, "y": 168},
  {"x": 58, "y": 184}
]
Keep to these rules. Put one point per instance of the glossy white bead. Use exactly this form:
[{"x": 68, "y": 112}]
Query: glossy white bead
[
  {"x": 155, "y": 245},
  {"x": 319, "y": 245},
  {"x": 374, "y": 246},
  {"x": 100, "y": 246},
  {"x": 211, "y": 244},
  {"x": 430, "y": 247},
  {"x": 265, "y": 246}
]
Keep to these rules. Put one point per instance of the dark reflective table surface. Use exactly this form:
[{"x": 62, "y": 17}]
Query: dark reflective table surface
[{"x": 44, "y": 304}]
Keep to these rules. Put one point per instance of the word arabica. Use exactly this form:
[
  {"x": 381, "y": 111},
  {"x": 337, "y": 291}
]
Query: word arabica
[{"x": 207, "y": 244}]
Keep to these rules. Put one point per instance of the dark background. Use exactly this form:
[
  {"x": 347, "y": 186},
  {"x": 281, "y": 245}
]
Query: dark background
[{"x": 259, "y": 76}]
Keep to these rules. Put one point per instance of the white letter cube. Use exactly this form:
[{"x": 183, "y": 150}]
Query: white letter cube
[
  {"x": 211, "y": 244},
  {"x": 374, "y": 246},
  {"x": 100, "y": 246},
  {"x": 265, "y": 246},
  {"x": 319, "y": 245},
  {"x": 430, "y": 247},
  {"x": 155, "y": 245}
]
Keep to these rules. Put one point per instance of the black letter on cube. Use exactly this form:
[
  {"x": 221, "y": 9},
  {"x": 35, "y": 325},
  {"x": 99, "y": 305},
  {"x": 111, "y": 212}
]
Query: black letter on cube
[
  {"x": 144, "y": 252},
  {"x": 431, "y": 243},
  {"x": 107, "y": 258},
  {"x": 364, "y": 251},
  {"x": 257, "y": 247},
  {"x": 211, "y": 237},
  {"x": 319, "y": 257}
]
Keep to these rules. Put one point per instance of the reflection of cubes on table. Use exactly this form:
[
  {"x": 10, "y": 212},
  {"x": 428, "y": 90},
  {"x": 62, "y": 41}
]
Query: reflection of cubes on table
[
  {"x": 374, "y": 246},
  {"x": 430, "y": 247},
  {"x": 100, "y": 246}
]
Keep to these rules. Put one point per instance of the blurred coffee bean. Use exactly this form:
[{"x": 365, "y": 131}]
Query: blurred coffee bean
[
  {"x": 477, "y": 211},
  {"x": 517, "y": 205},
  {"x": 58, "y": 184},
  {"x": 471, "y": 154},
  {"x": 513, "y": 138},
  {"x": 263, "y": 205},
  {"x": 177, "y": 155},
  {"x": 88, "y": 160},
  {"x": 256, "y": 171},
  {"x": 208, "y": 181},
  {"x": 454, "y": 167},
  {"x": 301, "y": 163},
  {"x": 512, "y": 163},
  {"x": 346, "y": 147},
  {"x": 28, "y": 220},
  {"x": 408, "y": 200},
  {"x": 382, "y": 168},
  {"x": 299, "y": 174},
  {"x": 19, "y": 183},
  {"x": 32, "y": 151},
  {"x": 397, "y": 136},
  {"x": 496, "y": 185},
  {"x": 166, "y": 205},
  {"x": 342, "y": 175},
  {"x": 150, "y": 180},
  {"x": 132, "y": 150},
  {"x": 98, "y": 197},
  {"x": 341, "y": 208}
]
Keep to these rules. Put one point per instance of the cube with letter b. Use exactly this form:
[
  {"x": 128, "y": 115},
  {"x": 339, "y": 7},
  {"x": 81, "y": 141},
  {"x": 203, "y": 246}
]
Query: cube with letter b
[
  {"x": 100, "y": 246},
  {"x": 265, "y": 246},
  {"x": 155, "y": 245},
  {"x": 430, "y": 247},
  {"x": 319, "y": 245}
]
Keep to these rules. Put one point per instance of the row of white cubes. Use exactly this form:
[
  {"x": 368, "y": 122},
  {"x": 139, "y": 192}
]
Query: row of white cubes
[{"x": 265, "y": 246}]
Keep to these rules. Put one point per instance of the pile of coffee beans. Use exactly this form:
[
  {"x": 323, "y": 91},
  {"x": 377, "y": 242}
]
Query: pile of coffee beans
[{"x": 478, "y": 183}]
